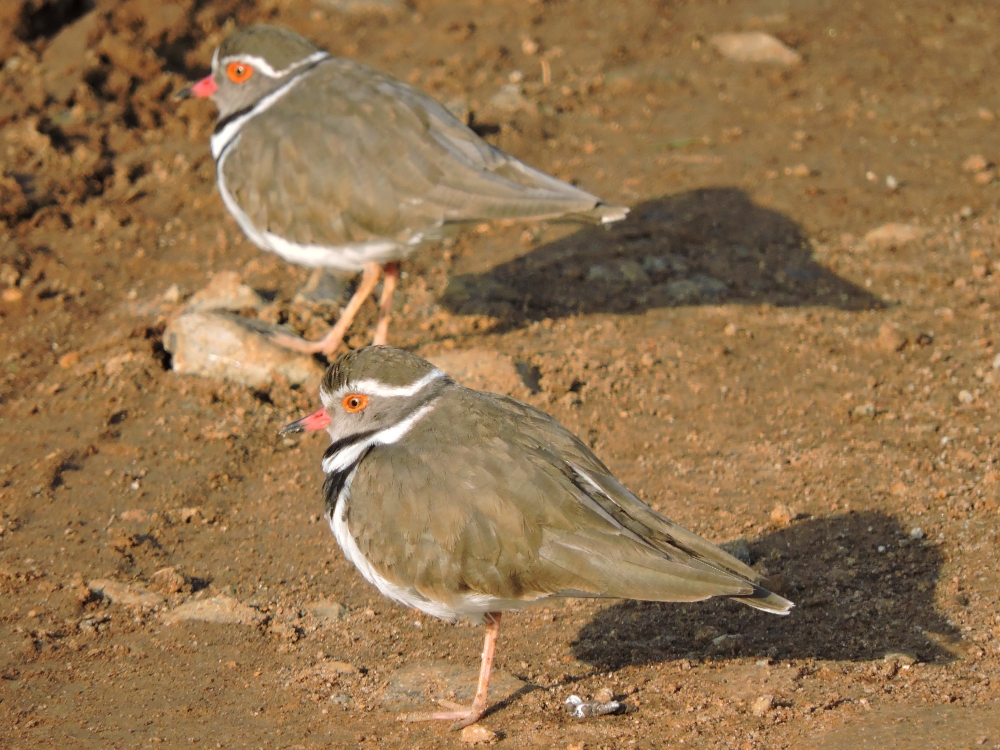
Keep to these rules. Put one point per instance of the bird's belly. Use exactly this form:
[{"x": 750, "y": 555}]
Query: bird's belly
[
  {"x": 349, "y": 256},
  {"x": 466, "y": 606}
]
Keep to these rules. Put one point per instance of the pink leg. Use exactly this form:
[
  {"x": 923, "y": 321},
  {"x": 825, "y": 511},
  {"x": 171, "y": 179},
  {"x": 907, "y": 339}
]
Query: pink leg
[
  {"x": 463, "y": 717},
  {"x": 385, "y": 303},
  {"x": 331, "y": 341}
]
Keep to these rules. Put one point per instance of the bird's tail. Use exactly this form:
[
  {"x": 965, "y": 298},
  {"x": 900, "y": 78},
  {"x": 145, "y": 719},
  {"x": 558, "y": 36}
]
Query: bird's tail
[
  {"x": 602, "y": 214},
  {"x": 767, "y": 601}
]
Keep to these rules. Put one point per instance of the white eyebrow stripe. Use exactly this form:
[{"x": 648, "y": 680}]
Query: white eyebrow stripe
[
  {"x": 378, "y": 388},
  {"x": 259, "y": 63}
]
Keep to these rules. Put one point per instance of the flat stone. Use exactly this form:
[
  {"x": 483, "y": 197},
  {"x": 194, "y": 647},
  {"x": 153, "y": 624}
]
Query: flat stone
[
  {"x": 327, "y": 611},
  {"x": 754, "y": 47},
  {"x": 894, "y": 233},
  {"x": 633, "y": 272},
  {"x": 226, "y": 347},
  {"x": 418, "y": 685},
  {"x": 481, "y": 369},
  {"x": 696, "y": 288},
  {"x": 226, "y": 291},
  {"x": 740, "y": 549},
  {"x": 125, "y": 594},
  {"x": 221, "y": 610},
  {"x": 781, "y": 515},
  {"x": 476, "y": 735},
  {"x": 763, "y": 705},
  {"x": 168, "y": 580}
]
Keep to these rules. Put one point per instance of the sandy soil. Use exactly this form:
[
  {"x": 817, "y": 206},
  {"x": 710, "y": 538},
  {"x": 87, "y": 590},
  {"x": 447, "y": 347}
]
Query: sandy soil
[{"x": 778, "y": 378}]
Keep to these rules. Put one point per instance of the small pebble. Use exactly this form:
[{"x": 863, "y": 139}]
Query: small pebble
[
  {"x": 476, "y": 735},
  {"x": 975, "y": 163},
  {"x": 763, "y": 705},
  {"x": 965, "y": 397},
  {"x": 754, "y": 46},
  {"x": 781, "y": 515},
  {"x": 891, "y": 182},
  {"x": 916, "y": 533}
]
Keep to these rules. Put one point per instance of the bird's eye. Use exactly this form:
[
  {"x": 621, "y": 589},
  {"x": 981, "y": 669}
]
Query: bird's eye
[
  {"x": 239, "y": 72},
  {"x": 355, "y": 402}
]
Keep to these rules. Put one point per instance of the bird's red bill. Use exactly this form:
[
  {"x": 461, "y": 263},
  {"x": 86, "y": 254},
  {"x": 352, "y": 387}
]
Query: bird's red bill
[
  {"x": 205, "y": 87},
  {"x": 317, "y": 421}
]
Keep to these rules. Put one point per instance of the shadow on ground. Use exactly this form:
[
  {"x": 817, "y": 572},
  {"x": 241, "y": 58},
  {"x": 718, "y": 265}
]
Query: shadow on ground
[
  {"x": 854, "y": 603},
  {"x": 700, "y": 247}
]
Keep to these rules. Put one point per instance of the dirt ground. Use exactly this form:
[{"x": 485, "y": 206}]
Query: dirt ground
[{"x": 775, "y": 374}]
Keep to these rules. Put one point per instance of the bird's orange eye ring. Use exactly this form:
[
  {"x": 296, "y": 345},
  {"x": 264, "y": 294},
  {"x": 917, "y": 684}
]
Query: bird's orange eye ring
[
  {"x": 355, "y": 402},
  {"x": 238, "y": 72}
]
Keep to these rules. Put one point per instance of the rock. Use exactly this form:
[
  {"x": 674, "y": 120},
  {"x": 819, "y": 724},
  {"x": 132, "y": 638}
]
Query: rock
[
  {"x": 12, "y": 295},
  {"x": 756, "y": 47},
  {"x": 665, "y": 263},
  {"x": 413, "y": 687},
  {"x": 604, "y": 695},
  {"x": 696, "y": 288},
  {"x": 916, "y": 533},
  {"x": 172, "y": 295},
  {"x": 602, "y": 274},
  {"x": 975, "y": 163},
  {"x": 900, "y": 657},
  {"x": 865, "y": 410},
  {"x": 476, "y": 735},
  {"x": 120, "y": 593},
  {"x": 226, "y": 291},
  {"x": 69, "y": 359},
  {"x": 726, "y": 645},
  {"x": 739, "y": 549},
  {"x": 327, "y": 611},
  {"x": 893, "y": 233},
  {"x": 965, "y": 397},
  {"x": 168, "y": 581},
  {"x": 633, "y": 272},
  {"x": 134, "y": 515},
  {"x": 340, "y": 667},
  {"x": 799, "y": 170},
  {"x": 890, "y": 339},
  {"x": 510, "y": 97},
  {"x": 781, "y": 515},
  {"x": 221, "y": 346},
  {"x": 763, "y": 705},
  {"x": 221, "y": 610},
  {"x": 481, "y": 369}
]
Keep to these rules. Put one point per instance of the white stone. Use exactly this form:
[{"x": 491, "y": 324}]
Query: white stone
[
  {"x": 216, "y": 345},
  {"x": 754, "y": 47}
]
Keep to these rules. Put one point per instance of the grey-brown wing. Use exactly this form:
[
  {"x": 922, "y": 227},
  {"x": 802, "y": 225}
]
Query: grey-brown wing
[
  {"x": 373, "y": 155},
  {"x": 499, "y": 511}
]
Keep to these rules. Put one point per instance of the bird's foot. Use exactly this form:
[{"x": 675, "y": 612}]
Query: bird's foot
[{"x": 463, "y": 716}]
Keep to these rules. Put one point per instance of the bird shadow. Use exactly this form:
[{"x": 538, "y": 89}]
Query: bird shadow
[
  {"x": 853, "y": 603},
  {"x": 698, "y": 247}
]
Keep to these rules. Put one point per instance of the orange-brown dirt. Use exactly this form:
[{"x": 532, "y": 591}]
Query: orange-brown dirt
[{"x": 816, "y": 393}]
